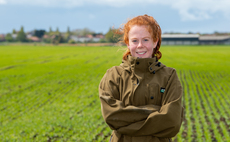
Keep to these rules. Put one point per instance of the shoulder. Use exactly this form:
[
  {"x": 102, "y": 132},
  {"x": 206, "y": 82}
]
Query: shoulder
[
  {"x": 170, "y": 70},
  {"x": 113, "y": 74},
  {"x": 167, "y": 71},
  {"x": 171, "y": 74},
  {"x": 115, "y": 70}
]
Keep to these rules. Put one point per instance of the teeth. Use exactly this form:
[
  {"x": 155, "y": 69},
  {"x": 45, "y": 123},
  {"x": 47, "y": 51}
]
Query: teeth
[{"x": 141, "y": 53}]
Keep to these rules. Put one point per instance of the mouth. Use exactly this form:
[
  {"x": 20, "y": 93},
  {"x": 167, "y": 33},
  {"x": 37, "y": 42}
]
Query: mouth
[{"x": 141, "y": 53}]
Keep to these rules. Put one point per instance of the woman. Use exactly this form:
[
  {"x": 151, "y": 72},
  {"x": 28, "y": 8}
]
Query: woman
[{"x": 141, "y": 98}]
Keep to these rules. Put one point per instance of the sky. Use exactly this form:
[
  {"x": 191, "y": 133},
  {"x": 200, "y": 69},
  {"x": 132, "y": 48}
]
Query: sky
[{"x": 203, "y": 16}]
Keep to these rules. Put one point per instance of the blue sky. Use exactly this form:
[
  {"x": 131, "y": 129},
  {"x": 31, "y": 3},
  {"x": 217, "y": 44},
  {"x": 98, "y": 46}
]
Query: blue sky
[{"x": 204, "y": 16}]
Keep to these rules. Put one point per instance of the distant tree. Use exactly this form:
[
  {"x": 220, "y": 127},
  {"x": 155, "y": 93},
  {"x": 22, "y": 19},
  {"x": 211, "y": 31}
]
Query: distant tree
[
  {"x": 57, "y": 31},
  {"x": 14, "y": 31},
  {"x": 22, "y": 29},
  {"x": 50, "y": 30},
  {"x": 9, "y": 37},
  {"x": 47, "y": 40},
  {"x": 57, "y": 38},
  {"x": 68, "y": 34},
  {"x": 216, "y": 32},
  {"x": 39, "y": 33},
  {"x": 21, "y": 36},
  {"x": 71, "y": 41},
  {"x": 68, "y": 30},
  {"x": 86, "y": 31},
  {"x": 112, "y": 36},
  {"x": 220, "y": 33},
  {"x": 102, "y": 40}
]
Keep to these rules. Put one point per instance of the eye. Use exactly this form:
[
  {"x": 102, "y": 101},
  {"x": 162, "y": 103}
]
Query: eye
[
  {"x": 146, "y": 39},
  {"x": 134, "y": 40}
]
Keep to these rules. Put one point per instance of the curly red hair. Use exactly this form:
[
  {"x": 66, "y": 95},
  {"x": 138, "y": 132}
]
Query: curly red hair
[{"x": 152, "y": 27}]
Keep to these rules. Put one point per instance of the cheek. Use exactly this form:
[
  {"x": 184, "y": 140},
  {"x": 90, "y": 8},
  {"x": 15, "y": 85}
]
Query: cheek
[
  {"x": 151, "y": 46},
  {"x": 132, "y": 49},
  {"x": 131, "y": 46}
]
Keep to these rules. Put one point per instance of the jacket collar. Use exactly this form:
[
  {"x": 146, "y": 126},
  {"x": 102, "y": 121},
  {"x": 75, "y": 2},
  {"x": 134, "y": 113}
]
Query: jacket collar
[{"x": 134, "y": 64}]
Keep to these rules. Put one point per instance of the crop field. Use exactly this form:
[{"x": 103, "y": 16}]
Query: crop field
[{"x": 50, "y": 93}]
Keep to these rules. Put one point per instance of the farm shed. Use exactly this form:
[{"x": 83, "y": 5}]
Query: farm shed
[
  {"x": 180, "y": 39},
  {"x": 213, "y": 39}
]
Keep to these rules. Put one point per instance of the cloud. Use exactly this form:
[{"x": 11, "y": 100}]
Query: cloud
[
  {"x": 189, "y": 10},
  {"x": 199, "y": 9},
  {"x": 2, "y": 2},
  {"x": 47, "y": 3}
]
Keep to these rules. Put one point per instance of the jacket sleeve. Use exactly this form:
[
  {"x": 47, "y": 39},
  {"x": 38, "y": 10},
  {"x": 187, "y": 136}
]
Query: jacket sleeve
[
  {"x": 114, "y": 112},
  {"x": 167, "y": 121}
]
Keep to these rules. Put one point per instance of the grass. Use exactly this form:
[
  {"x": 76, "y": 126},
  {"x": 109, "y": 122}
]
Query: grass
[{"x": 50, "y": 93}]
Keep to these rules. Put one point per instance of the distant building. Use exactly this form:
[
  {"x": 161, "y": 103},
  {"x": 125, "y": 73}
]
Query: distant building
[
  {"x": 87, "y": 38},
  {"x": 34, "y": 39},
  {"x": 98, "y": 37},
  {"x": 194, "y": 39},
  {"x": 14, "y": 36},
  {"x": 180, "y": 39},
  {"x": 80, "y": 38},
  {"x": 213, "y": 39},
  {"x": 29, "y": 35},
  {"x": 45, "y": 36},
  {"x": 2, "y": 37}
]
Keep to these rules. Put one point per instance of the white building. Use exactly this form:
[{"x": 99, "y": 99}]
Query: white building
[
  {"x": 213, "y": 39},
  {"x": 180, "y": 39}
]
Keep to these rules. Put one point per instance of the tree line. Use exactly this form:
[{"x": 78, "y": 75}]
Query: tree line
[{"x": 56, "y": 37}]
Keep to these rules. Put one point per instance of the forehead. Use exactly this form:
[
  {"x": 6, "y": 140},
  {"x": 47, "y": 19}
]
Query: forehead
[{"x": 138, "y": 31}]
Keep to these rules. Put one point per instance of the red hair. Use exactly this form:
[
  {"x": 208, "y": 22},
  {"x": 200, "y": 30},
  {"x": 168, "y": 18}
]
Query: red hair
[{"x": 152, "y": 27}]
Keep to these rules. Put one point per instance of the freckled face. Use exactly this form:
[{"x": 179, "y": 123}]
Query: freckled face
[{"x": 140, "y": 42}]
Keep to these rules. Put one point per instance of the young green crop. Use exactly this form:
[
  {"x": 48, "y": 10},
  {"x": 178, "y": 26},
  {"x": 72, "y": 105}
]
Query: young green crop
[{"x": 50, "y": 93}]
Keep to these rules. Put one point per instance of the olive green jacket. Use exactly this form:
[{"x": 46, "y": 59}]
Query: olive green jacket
[{"x": 141, "y": 101}]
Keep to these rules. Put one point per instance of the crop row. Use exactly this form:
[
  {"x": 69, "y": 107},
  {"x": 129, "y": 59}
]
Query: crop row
[{"x": 206, "y": 108}]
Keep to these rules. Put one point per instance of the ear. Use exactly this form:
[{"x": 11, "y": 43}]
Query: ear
[
  {"x": 155, "y": 43},
  {"x": 128, "y": 46}
]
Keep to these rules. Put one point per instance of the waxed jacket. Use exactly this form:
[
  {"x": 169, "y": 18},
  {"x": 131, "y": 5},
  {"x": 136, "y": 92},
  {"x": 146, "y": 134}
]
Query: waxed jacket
[{"x": 141, "y": 101}]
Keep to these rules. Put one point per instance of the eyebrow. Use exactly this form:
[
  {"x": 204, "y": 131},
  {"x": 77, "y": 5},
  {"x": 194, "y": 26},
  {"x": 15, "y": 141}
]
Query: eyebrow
[{"x": 137, "y": 38}]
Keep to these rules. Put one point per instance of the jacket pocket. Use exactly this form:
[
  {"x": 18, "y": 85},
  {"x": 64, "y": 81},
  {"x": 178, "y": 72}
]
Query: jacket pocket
[{"x": 154, "y": 95}]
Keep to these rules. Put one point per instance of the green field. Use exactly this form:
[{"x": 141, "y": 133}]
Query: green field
[{"x": 50, "y": 93}]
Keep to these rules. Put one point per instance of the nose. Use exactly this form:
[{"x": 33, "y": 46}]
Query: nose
[{"x": 140, "y": 45}]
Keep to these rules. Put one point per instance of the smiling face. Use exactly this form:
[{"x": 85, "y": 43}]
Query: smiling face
[{"x": 140, "y": 42}]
